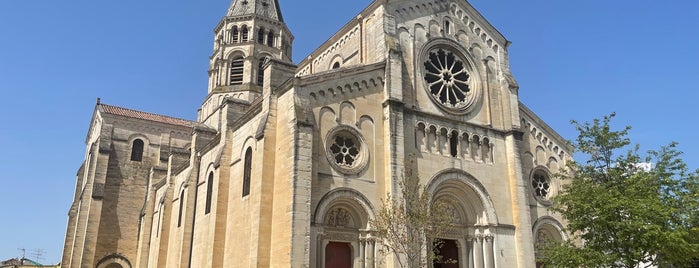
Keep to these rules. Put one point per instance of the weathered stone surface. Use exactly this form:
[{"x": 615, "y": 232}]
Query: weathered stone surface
[{"x": 327, "y": 140}]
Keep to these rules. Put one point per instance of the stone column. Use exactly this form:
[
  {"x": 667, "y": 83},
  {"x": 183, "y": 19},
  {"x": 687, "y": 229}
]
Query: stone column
[
  {"x": 320, "y": 250},
  {"x": 478, "y": 252},
  {"x": 362, "y": 255},
  {"x": 489, "y": 254},
  {"x": 369, "y": 253},
  {"x": 470, "y": 255}
]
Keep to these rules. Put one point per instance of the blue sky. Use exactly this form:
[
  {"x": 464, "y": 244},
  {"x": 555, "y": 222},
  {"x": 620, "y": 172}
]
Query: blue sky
[{"x": 573, "y": 60}]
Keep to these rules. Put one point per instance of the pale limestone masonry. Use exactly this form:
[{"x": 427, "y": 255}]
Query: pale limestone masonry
[{"x": 287, "y": 164}]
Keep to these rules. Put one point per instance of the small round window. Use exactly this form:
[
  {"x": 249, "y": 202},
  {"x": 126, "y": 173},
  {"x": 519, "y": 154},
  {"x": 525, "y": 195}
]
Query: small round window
[
  {"x": 346, "y": 150},
  {"x": 448, "y": 80},
  {"x": 541, "y": 185}
]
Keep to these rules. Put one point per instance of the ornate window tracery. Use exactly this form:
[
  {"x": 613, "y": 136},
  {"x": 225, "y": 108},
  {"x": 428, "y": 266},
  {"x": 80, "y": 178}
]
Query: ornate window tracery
[
  {"x": 346, "y": 150},
  {"x": 447, "y": 78},
  {"x": 451, "y": 79},
  {"x": 541, "y": 185}
]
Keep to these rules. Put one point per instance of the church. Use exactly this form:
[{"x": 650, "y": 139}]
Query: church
[{"x": 287, "y": 163}]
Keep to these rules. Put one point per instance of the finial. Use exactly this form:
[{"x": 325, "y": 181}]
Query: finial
[{"x": 98, "y": 101}]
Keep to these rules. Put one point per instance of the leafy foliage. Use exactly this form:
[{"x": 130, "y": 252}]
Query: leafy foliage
[
  {"x": 409, "y": 225},
  {"x": 621, "y": 213}
]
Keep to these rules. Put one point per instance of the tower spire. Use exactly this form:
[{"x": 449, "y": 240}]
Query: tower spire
[
  {"x": 252, "y": 33},
  {"x": 264, "y": 8}
]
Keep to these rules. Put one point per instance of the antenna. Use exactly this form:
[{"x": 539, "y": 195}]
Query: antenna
[
  {"x": 24, "y": 252},
  {"x": 38, "y": 254}
]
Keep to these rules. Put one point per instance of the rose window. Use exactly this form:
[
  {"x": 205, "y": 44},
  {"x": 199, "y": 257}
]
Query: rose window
[
  {"x": 345, "y": 151},
  {"x": 447, "y": 78},
  {"x": 541, "y": 185}
]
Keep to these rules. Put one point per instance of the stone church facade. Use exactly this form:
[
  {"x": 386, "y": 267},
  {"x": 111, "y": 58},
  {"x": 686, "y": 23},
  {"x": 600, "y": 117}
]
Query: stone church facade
[{"x": 287, "y": 163}]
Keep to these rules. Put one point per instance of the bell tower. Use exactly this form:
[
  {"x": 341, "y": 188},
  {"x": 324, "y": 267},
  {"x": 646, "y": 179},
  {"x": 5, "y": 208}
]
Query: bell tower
[{"x": 251, "y": 33}]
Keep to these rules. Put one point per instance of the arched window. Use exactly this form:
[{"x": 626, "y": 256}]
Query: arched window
[
  {"x": 237, "y": 66},
  {"x": 247, "y": 170},
  {"x": 336, "y": 65},
  {"x": 244, "y": 32},
  {"x": 261, "y": 36},
  {"x": 260, "y": 72},
  {"x": 454, "y": 144},
  {"x": 235, "y": 34},
  {"x": 270, "y": 39},
  {"x": 137, "y": 150},
  {"x": 209, "y": 192},
  {"x": 447, "y": 27},
  {"x": 179, "y": 215}
]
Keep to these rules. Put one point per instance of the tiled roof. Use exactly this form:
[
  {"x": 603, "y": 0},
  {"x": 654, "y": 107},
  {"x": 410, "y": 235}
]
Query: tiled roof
[{"x": 115, "y": 110}]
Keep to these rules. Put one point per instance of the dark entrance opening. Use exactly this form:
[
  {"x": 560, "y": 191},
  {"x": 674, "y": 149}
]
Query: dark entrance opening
[{"x": 449, "y": 252}]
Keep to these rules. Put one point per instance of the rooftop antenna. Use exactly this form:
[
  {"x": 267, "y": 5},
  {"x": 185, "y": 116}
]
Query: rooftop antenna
[
  {"x": 24, "y": 252},
  {"x": 38, "y": 254}
]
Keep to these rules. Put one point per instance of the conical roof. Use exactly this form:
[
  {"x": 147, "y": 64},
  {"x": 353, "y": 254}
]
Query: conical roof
[{"x": 263, "y": 8}]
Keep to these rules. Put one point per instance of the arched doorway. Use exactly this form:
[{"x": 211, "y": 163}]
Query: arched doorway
[
  {"x": 341, "y": 229},
  {"x": 547, "y": 231},
  {"x": 470, "y": 241}
]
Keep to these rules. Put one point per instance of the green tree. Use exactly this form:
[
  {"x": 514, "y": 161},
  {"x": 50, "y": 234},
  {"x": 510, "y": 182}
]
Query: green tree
[
  {"x": 409, "y": 226},
  {"x": 622, "y": 214}
]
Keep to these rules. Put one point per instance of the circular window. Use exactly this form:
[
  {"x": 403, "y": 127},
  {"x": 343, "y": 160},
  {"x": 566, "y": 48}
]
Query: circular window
[
  {"x": 541, "y": 186},
  {"x": 346, "y": 150},
  {"x": 448, "y": 80}
]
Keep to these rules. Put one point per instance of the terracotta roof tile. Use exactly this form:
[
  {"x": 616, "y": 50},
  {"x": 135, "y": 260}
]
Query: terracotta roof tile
[{"x": 115, "y": 110}]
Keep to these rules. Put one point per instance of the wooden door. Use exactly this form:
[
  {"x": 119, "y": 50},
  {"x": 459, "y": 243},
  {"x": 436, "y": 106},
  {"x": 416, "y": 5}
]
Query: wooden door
[{"x": 338, "y": 255}]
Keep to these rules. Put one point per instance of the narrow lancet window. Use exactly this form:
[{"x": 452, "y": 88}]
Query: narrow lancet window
[
  {"x": 244, "y": 33},
  {"x": 247, "y": 172},
  {"x": 209, "y": 192},
  {"x": 235, "y": 35},
  {"x": 179, "y": 215},
  {"x": 261, "y": 36},
  {"x": 261, "y": 72},
  {"x": 270, "y": 39}
]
